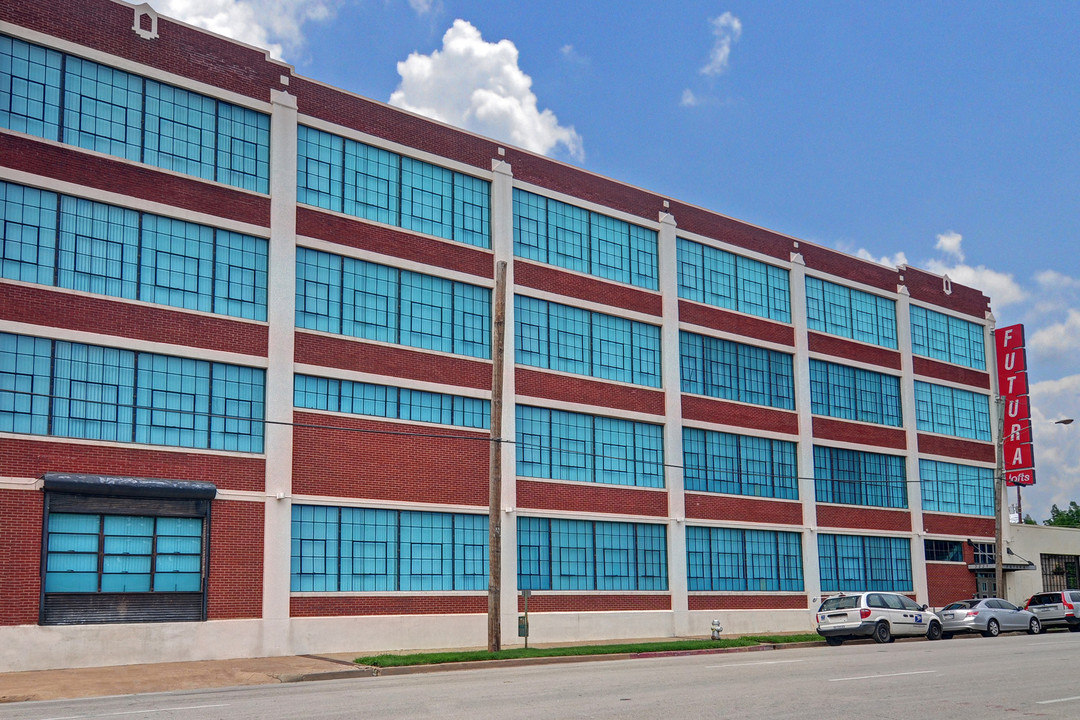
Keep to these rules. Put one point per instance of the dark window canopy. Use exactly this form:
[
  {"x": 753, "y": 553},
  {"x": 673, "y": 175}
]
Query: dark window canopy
[{"x": 128, "y": 487}]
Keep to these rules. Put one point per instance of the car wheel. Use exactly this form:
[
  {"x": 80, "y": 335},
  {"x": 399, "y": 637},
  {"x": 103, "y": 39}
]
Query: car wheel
[
  {"x": 934, "y": 631},
  {"x": 1034, "y": 627},
  {"x": 1074, "y": 628},
  {"x": 834, "y": 641},
  {"x": 946, "y": 636},
  {"x": 992, "y": 629},
  {"x": 882, "y": 634}
]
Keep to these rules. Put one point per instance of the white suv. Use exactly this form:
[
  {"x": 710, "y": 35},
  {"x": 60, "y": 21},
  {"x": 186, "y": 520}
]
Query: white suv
[{"x": 880, "y": 615}]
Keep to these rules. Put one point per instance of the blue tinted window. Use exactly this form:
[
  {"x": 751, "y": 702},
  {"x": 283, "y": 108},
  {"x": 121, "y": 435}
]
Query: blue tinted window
[
  {"x": 952, "y": 411},
  {"x": 944, "y": 337},
  {"x": 121, "y": 114},
  {"x": 372, "y": 550},
  {"x": 739, "y": 464},
  {"x": 717, "y": 277},
  {"x": 553, "y": 232},
  {"x": 733, "y": 371},
  {"x": 389, "y": 402},
  {"x": 853, "y": 477},
  {"x": 850, "y": 313},
  {"x": 376, "y": 302},
  {"x": 723, "y": 559},
  {"x": 568, "y": 339},
  {"x": 346, "y": 176},
  {"x": 28, "y": 226},
  {"x": 31, "y": 79},
  {"x": 587, "y": 555},
  {"x": 855, "y": 563},
  {"x": 102, "y": 393},
  {"x": 123, "y": 553},
  {"x": 574, "y": 446},
  {"x": 851, "y": 393},
  {"x": 98, "y": 248},
  {"x": 952, "y": 488}
]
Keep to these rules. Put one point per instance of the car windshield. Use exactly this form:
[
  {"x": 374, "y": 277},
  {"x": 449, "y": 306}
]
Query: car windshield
[
  {"x": 840, "y": 603},
  {"x": 962, "y": 605}
]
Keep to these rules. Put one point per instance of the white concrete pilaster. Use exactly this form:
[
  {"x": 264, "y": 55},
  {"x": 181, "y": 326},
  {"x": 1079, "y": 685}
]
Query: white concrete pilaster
[
  {"x": 281, "y": 309},
  {"x": 805, "y": 451},
  {"x": 673, "y": 447},
  {"x": 911, "y": 433},
  {"x": 502, "y": 244}
]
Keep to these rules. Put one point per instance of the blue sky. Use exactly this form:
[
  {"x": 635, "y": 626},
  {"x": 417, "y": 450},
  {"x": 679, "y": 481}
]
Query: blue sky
[{"x": 944, "y": 135}]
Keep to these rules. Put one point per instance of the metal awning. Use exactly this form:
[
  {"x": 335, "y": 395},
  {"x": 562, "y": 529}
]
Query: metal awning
[{"x": 1007, "y": 567}]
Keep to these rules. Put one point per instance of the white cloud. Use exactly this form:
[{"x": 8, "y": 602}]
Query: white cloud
[
  {"x": 726, "y": 30},
  {"x": 276, "y": 25},
  {"x": 1057, "y": 447},
  {"x": 1002, "y": 288},
  {"x": 1060, "y": 339},
  {"x": 895, "y": 261},
  {"x": 949, "y": 243},
  {"x": 571, "y": 55},
  {"x": 1055, "y": 281},
  {"x": 689, "y": 99},
  {"x": 478, "y": 86},
  {"x": 421, "y": 7}
]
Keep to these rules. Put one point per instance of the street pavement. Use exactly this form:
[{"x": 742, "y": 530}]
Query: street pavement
[{"x": 204, "y": 674}]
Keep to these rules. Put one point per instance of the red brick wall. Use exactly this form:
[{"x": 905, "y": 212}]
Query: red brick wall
[
  {"x": 396, "y": 243},
  {"x": 590, "y": 497},
  {"x": 843, "y": 518},
  {"x": 552, "y": 279},
  {"x": 956, "y": 448},
  {"x": 727, "y": 321},
  {"x": 934, "y": 370},
  {"x": 353, "y": 354},
  {"x": 106, "y": 26},
  {"x": 553, "y": 386},
  {"x": 234, "y": 583},
  {"x": 20, "y": 555},
  {"x": 948, "y": 582},
  {"x": 863, "y": 433},
  {"x": 753, "y": 417},
  {"x": 338, "y": 606},
  {"x": 707, "y": 506},
  {"x": 928, "y": 288},
  {"x": 539, "y": 602},
  {"x": 139, "y": 181},
  {"x": 441, "y": 468},
  {"x": 844, "y": 349},
  {"x": 32, "y": 458},
  {"x": 747, "y": 602},
  {"x": 734, "y": 232},
  {"x": 967, "y": 526},
  {"x": 39, "y": 306},
  {"x": 848, "y": 267}
]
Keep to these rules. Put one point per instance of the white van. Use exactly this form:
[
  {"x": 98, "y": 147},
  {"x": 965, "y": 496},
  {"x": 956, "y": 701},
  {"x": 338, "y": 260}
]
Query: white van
[{"x": 880, "y": 615}]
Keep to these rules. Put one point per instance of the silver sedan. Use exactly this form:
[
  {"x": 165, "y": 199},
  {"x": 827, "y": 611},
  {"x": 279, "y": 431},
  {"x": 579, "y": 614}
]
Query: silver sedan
[{"x": 988, "y": 616}]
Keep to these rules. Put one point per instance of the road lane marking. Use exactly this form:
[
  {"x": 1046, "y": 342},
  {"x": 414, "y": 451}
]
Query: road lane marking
[
  {"x": 1051, "y": 702},
  {"x": 871, "y": 677},
  {"x": 763, "y": 662}
]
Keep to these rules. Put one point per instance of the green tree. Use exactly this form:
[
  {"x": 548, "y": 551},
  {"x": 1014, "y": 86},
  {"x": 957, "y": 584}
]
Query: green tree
[
  {"x": 1064, "y": 518},
  {"x": 1028, "y": 520}
]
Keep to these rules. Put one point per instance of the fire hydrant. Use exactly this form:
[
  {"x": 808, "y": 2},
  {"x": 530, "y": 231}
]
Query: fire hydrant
[{"x": 717, "y": 628}]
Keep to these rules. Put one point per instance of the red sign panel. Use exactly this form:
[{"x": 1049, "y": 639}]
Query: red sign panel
[
  {"x": 1020, "y": 477},
  {"x": 1019, "y": 454}
]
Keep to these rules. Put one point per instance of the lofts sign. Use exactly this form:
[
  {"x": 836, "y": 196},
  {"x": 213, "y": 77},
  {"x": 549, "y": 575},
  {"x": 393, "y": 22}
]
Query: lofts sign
[{"x": 1013, "y": 389}]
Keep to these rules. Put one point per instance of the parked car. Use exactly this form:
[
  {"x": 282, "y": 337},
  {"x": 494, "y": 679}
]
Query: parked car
[
  {"x": 1056, "y": 608},
  {"x": 989, "y": 616},
  {"x": 880, "y": 615}
]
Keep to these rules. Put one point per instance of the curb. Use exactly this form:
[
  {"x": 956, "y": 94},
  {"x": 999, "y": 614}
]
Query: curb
[{"x": 375, "y": 671}]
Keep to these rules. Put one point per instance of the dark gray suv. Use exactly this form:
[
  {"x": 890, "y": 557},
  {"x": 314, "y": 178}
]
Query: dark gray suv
[{"x": 1056, "y": 608}]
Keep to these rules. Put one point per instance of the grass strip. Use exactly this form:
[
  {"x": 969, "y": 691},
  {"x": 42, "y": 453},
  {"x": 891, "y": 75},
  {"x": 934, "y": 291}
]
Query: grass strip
[{"x": 513, "y": 653}]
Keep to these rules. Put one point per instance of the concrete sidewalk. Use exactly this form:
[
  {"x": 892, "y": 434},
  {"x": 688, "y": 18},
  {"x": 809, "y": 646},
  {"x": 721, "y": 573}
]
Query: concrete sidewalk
[
  {"x": 202, "y": 674},
  {"x": 163, "y": 677}
]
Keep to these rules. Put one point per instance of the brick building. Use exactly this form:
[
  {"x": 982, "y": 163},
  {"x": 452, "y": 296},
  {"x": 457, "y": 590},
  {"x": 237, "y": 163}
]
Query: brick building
[{"x": 246, "y": 371}]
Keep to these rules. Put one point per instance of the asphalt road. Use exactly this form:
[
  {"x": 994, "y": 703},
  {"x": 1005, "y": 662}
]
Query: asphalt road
[{"x": 979, "y": 678}]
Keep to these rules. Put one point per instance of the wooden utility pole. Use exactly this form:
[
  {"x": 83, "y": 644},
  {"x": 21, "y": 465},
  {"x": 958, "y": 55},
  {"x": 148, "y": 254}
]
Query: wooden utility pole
[{"x": 498, "y": 342}]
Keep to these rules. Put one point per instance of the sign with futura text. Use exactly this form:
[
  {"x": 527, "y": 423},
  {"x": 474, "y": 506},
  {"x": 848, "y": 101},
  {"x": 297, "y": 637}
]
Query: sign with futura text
[{"x": 1019, "y": 453}]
